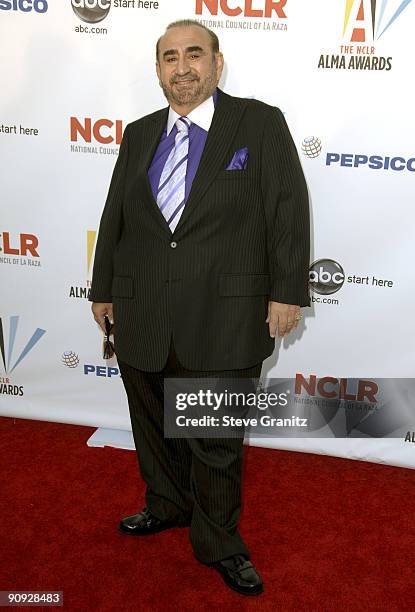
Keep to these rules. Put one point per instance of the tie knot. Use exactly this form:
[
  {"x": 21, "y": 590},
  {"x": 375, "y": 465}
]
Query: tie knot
[{"x": 183, "y": 124}]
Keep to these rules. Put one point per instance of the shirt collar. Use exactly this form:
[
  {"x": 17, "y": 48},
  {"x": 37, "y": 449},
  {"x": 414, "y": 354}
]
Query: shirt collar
[{"x": 202, "y": 115}]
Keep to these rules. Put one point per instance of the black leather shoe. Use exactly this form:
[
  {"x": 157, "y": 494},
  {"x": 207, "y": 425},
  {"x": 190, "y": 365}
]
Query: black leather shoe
[
  {"x": 240, "y": 575},
  {"x": 145, "y": 523}
]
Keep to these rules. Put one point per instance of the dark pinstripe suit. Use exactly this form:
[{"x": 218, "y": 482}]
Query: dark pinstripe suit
[{"x": 242, "y": 239}]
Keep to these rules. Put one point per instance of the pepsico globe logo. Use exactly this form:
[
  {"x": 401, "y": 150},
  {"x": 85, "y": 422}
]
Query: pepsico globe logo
[
  {"x": 311, "y": 146},
  {"x": 91, "y": 11},
  {"x": 326, "y": 276},
  {"x": 70, "y": 359}
]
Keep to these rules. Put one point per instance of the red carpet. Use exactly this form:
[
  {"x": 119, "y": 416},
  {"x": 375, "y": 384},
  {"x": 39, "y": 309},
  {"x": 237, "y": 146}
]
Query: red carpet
[{"x": 326, "y": 534}]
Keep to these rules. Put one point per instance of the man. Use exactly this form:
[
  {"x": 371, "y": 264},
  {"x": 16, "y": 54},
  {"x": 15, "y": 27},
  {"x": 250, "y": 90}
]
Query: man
[{"x": 201, "y": 259}]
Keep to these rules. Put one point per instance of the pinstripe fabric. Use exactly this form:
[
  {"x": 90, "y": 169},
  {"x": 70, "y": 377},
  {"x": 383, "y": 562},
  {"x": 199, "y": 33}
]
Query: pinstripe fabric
[
  {"x": 242, "y": 239},
  {"x": 196, "y": 481}
]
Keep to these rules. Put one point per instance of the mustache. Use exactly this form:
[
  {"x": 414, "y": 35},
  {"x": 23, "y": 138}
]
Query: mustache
[{"x": 181, "y": 80}]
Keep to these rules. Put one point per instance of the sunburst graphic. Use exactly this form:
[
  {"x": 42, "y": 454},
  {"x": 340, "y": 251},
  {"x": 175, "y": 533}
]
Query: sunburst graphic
[
  {"x": 7, "y": 358},
  {"x": 396, "y": 14},
  {"x": 380, "y": 23}
]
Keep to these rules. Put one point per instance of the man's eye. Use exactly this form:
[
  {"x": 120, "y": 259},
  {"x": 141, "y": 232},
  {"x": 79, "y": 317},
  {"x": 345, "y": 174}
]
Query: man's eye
[
  {"x": 194, "y": 55},
  {"x": 171, "y": 59}
]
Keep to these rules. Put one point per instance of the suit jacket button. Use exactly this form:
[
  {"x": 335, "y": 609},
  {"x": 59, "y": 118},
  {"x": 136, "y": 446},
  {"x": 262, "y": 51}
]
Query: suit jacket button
[{"x": 173, "y": 245}]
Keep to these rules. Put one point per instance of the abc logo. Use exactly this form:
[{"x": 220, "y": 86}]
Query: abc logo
[
  {"x": 39, "y": 6},
  {"x": 91, "y": 11},
  {"x": 326, "y": 276}
]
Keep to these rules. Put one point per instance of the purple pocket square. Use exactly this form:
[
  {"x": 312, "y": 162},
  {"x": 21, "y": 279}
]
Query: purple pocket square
[{"x": 239, "y": 160}]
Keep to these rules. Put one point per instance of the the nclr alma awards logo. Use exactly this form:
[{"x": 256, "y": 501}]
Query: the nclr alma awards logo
[
  {"x": 82, "y": 290},
  {"x": 7, "y": 387},
  {"x": 364, "y": 23},
  {"x": 91, "y": 11}
]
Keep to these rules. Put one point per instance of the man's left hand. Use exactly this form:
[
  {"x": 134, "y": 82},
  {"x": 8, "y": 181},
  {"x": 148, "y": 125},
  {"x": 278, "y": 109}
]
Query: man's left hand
[{"x": 282, "y": 318}]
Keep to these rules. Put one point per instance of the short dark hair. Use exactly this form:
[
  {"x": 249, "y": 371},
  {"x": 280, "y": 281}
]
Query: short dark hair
[{"x": 214, "y": 40}]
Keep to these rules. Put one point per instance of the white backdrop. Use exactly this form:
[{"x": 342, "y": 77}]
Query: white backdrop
[{"x": 58, "y": 73}]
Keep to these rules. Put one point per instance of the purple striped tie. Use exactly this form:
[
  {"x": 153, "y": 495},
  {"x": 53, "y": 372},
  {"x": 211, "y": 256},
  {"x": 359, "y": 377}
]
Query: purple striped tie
[{"x": 171, "y": 189}]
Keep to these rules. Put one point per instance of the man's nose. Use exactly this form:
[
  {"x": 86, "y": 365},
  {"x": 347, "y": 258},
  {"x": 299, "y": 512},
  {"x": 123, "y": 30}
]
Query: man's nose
[{"x": 182, "y": 66}]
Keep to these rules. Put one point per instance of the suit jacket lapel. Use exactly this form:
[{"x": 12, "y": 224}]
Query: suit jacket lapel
[
  {"x": 151, "y": 138},
  {"x": 228, "y": 113}
]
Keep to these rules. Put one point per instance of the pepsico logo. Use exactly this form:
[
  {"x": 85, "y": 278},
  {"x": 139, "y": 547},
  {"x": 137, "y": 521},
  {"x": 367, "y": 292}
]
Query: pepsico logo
[{"x": 311, "y": 146}]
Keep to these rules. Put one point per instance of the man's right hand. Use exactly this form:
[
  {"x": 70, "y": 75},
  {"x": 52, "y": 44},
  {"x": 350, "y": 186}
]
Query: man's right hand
[{"x": 99, "y": 310}]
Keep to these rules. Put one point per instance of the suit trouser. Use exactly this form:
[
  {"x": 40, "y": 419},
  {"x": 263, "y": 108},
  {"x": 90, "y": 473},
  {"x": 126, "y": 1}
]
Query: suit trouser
[{"x": 191, "y": 481}]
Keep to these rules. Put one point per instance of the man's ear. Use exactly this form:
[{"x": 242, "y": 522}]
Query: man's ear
[
  {"x": 219, "y": 63},
  {"x": 158, "y": 70}
]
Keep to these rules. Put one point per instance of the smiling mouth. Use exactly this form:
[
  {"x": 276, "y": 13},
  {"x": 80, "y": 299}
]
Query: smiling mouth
[{"x": 184, "y": 81}]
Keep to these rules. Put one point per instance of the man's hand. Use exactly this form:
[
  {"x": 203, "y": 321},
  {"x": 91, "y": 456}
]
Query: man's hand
[
  {"x": 99, "y": 310},
  {"x": 282, "y": 317}
]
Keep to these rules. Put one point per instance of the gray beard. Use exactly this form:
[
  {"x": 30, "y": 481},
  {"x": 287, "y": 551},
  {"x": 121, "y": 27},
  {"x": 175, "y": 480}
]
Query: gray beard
[{"x": 203, "y": 91}]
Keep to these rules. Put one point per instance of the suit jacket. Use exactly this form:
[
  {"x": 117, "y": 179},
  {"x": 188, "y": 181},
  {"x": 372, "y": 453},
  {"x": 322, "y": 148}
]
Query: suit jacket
[{"x": 242, "y": 239}]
